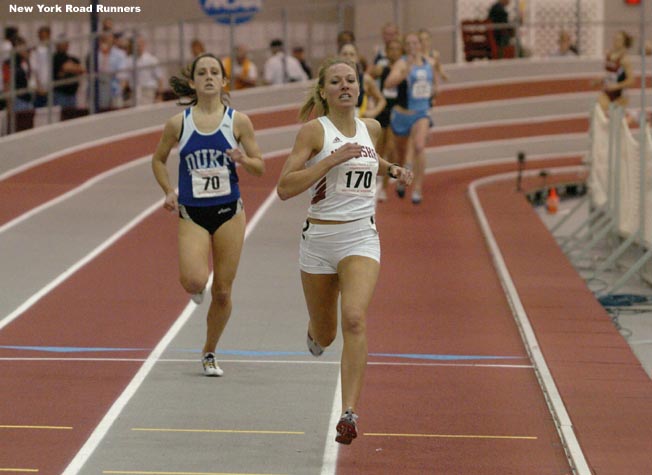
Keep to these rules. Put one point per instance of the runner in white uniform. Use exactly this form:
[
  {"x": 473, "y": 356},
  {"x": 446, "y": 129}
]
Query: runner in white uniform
[{"x": 334, "y": 156}]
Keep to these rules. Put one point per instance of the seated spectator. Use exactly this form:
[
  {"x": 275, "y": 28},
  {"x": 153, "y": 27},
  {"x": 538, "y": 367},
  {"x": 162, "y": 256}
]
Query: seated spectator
[
  {"x": 281, "y": 68},
  {"x": 245, "y": 73},
  {"x": 68, "y": 67}
]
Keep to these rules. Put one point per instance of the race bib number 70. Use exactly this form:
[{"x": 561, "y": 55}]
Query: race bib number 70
[{"x": 210, "y": 182}]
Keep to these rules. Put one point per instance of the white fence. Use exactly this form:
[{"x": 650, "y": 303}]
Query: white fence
[{"x": 620, "y": 196}]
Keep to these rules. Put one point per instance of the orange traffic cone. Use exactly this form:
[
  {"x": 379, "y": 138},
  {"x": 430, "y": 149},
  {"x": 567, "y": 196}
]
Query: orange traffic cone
[{"x": 552, "y": 202}]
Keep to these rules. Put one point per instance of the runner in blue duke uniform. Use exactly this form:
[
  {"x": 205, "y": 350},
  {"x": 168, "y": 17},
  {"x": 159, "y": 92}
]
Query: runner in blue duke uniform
[{"x": 211, "y": 216}]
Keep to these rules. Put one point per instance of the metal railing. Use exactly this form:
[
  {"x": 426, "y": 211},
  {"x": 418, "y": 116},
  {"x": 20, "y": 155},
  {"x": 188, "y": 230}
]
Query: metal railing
[{"x": 316, "y": 32}]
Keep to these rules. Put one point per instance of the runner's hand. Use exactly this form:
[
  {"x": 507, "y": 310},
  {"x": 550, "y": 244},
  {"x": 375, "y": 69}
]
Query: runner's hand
[
  {"x": 171, "y": 201},
  {"x": 346, "y": 152}
]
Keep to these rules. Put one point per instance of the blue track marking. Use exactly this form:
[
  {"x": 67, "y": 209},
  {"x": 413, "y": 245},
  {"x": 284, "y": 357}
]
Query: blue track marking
[
  {"x": 251, "y": 353},
  {"x": 70, "y": 349}
]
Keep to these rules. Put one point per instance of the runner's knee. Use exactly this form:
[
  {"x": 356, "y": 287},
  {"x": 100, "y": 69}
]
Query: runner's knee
[
  {"x": 353, "y": 321},
  {"x": 221, "y": 294},
  {"x": 193, "y": 284}
]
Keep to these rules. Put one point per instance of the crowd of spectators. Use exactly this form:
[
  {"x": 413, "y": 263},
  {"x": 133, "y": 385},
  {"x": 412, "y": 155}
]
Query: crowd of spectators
[{"x": 43, "y": 72}]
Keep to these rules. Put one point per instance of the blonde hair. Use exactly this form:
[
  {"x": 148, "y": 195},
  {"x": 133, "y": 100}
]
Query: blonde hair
[
  {"x": 181, "y": 85},
  {"x": 314, "y": 101}
]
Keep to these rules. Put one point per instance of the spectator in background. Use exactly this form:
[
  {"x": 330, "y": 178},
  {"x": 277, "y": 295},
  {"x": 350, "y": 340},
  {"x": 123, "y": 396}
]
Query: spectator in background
[
  {"x": 107, "y": 25},
  {"x": 197, "y": 48},
  {"x": 150, "y": 75},
  {"x": 65, "y": 67},
  {"x": 22, "y": 72},
  {"x": 344, "y": 37},
  {"x": 281, "y": 68},
  {"x": 41, "y": 65},
  {"x": 244, "y": 73},
  {"x": 123, "y": 43},
  {"x": 566, "y": 46},
  {"x": 113, "y": 76},
  {"x": 11, "y": 34},
  {"x": 502, "y": 33},
  {"x": 299, "y": 53}
]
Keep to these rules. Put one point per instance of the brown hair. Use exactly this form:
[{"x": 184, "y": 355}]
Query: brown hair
[
  {"x": 181, "y": 84},
  {"x": 314, "y": 102}
]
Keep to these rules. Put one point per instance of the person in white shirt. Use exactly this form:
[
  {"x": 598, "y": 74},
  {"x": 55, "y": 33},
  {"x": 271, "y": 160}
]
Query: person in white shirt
[
  {"x": 150, "y": 75},
  {"x": 282, "y": 68},
  {"x": 334, "y": 157},
  {"x": 41, "y": 64}
]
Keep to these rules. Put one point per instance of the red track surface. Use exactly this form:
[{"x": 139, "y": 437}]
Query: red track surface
[
  {"x": 450, "y": 302},
  {"x": 439, "y": 294},
  {"x": 606, "y": 391},
  {"x": 46, "y": 181},
  {"x": 118, "y": 304}
]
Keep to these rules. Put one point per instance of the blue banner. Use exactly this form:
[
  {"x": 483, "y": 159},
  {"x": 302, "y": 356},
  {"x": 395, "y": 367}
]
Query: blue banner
[{"x": 223, "y": 10}]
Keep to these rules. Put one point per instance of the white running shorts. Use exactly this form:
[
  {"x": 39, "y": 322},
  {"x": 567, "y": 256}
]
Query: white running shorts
[{"x": 323, "y": 246}]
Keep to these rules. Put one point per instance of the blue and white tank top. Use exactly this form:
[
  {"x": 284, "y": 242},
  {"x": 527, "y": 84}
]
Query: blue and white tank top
[
  {"x": 347, "y": 192},
  {"x": 207, "y": 176},
  {"x": 420, "y": 80}
]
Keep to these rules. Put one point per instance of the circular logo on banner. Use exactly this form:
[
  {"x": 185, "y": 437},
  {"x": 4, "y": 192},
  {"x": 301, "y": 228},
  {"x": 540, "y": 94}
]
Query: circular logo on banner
[{"x": 223, "y": 10}]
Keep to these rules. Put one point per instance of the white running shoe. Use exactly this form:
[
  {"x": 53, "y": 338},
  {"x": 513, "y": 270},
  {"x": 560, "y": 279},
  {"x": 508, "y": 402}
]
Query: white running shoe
[
  {"x": 315, "y": 348},
  {"x": 198, "y": 298},
  {"x": 211, "y": 368}
]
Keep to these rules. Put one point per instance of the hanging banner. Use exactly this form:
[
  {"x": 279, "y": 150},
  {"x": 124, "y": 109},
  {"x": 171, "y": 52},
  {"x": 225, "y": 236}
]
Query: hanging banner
[{"x": 223, "y": 10}]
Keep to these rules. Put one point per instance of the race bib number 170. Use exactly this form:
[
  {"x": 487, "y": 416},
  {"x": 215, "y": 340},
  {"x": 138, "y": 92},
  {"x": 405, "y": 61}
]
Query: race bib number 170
[{"x": 358, "y": 180}]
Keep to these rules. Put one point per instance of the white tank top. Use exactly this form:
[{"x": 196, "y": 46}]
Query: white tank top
[{"x": 348, "y": 191}]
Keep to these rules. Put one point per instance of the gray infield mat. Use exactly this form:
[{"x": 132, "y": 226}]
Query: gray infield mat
[{"x": 270, "y": 412}]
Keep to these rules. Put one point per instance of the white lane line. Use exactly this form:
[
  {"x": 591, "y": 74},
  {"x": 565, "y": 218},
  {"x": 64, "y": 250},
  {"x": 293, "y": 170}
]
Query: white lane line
[
  {"x": 546, "y": 381},
  {"x": 329, "y": 460},
  {"x": 70, "y": 193},
  {"x": 114, "y": 412},
  {"x": 31, "y": 301},
  {"x": 77, "y": 148}
]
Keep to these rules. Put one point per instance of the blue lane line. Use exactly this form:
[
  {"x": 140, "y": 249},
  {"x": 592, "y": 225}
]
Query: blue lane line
[
  {"x": 69, "y": 349},
  {"x": 415, "y": 356}
]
